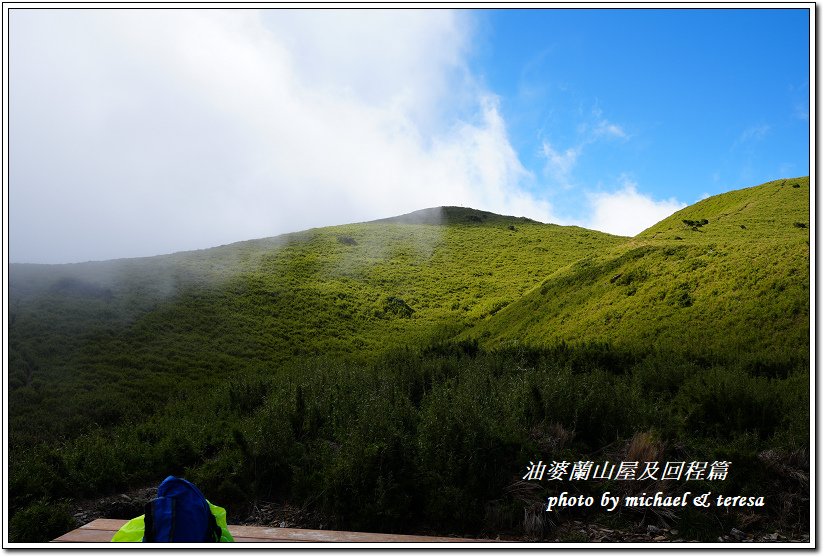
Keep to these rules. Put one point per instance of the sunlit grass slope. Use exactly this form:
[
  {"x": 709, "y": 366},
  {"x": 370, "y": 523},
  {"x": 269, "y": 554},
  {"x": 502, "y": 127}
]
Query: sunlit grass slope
[{"x": 727, "y": 276}]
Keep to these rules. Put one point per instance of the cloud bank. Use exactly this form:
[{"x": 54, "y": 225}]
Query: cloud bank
[
  {"x": 144, "y": 132},
  {"x": 626, "y": 212},
  {"x": 141, "y": 132}
]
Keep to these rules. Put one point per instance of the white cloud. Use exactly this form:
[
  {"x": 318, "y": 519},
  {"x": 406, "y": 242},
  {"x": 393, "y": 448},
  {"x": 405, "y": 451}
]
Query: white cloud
[
  {"x": 754, "y": 133},
  {"x": 144, "y": 132},
  {"x": 602, "y": 127},
  {"x": 626, "y": 212},
  {"x": 559, "y": 165},
  {"x": 605, "y": 128}
]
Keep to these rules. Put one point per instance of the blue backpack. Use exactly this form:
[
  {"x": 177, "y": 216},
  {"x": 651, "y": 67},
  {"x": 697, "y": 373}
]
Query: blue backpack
[{"x": 179, "y": 513}]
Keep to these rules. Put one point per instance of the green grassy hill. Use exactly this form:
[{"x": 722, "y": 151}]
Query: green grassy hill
[
  {"x": 397, "y": 375},
  {"x": 727, "y": 276},
  {"x": 350, "y": 292}
]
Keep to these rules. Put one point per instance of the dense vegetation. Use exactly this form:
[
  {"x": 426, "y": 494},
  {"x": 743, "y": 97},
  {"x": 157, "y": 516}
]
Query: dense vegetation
[{"x": 398, "y": 375}]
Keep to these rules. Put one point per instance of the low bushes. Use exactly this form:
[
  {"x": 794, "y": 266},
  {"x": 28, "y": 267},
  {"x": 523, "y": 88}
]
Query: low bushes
[{"x": 430, "y": 440}]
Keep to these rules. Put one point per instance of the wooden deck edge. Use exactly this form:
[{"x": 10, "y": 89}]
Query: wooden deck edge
[{"x": 102, "y": 530}]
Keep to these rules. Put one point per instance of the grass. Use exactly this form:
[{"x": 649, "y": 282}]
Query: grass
[
  {"x": 733, "y": 292},
  {"x": 397, "y": 375},
  {"x": 194, "y": 317}
]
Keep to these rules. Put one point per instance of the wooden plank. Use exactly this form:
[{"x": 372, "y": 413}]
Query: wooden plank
[
  {"x": 263, "y": 540},
  {"x": 102, "y": 530},
  {"x": 86, "y": 536},
  {"x": 335, "y": 536},
  {"x": 113, "y": 524}
]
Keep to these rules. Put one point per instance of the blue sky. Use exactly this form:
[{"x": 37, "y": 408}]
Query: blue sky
[
  {"x": 141, "y": 132},
  {"x": 702, "y": 101}
]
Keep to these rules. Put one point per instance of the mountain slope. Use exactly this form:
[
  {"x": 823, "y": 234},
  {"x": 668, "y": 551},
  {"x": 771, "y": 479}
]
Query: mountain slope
[
  {"x": 146, "y": 326},
  {"x": 337, "y": 369},
  {"x": 735, "y": 285}
]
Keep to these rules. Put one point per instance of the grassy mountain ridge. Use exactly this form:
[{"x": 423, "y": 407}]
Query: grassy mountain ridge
[
  {"x": 454, "y": 215},
  {"x": 397, "y": 375},
  {"x": 767, "y": 211},
  {"x": 737, "y": 285}
]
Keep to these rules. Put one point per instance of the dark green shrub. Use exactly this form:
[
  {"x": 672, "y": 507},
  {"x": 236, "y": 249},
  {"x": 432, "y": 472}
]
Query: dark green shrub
[
  {"x": 371, "y": 485},
  {"x": 397, "y": 306},
  {"x": 723, "y": 402},
  {"x": 244, "y": 396},
  {"x": 42, "y": 521},
  {"x": 431, "y": 439},
  {"x": 498, "y": 306},
  {"x": 466, "y": 347},
  {"x": 681, "y": 296},
  {"x": 177, "y": 453},
  {"x": 695, "y": 224},
  {"x": 221, "y": 480},
  {"x": 662, "y": 375},
  {"x": 633, "y": 275},
  {"x": 39, "y": 472}
]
